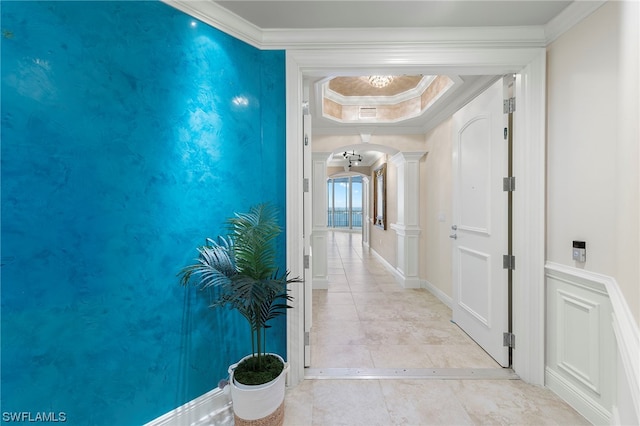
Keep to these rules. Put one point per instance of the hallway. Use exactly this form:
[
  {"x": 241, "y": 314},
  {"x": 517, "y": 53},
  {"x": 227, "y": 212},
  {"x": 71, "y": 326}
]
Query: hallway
[
  {"x": 365, "y": 318},
  {"x": 383, "y": 355}
]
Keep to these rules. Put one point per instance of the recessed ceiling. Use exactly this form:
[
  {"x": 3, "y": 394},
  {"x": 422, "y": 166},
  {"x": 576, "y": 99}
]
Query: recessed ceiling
[
  {"x": 359, "y": 86},
  {"x": 315, "y": 22},
  {"x": 394, "y": 14},
  {"x": 360, "y": 100}
]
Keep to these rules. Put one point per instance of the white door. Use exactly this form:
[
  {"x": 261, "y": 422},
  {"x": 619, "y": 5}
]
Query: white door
[{"x": 480, "y": 229}]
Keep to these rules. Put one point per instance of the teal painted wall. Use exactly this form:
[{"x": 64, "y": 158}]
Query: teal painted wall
[{"x": 130, "y": 132}]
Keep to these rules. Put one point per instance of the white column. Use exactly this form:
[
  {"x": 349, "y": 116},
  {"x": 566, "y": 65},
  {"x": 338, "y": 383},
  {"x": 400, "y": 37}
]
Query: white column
[
  {"x": 366, "y": 219},
  {"x": 318, "y": 185},
  {"x": 407, "y": 226}
]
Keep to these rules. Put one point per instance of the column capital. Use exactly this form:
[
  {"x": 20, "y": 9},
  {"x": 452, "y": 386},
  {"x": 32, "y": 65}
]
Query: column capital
[{"x": 404, "y": 157}]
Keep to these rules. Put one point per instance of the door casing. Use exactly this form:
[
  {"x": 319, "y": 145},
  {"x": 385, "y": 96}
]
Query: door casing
[{"x": 528, "y": 164}]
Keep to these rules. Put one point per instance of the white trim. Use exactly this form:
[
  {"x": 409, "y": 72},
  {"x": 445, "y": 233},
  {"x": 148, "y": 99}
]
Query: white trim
[
  {"x": 519, "y": 36},
  {"x": 624, "y": 326},
  {"x": 396, "y": 274},
  {"x": 218, "y": 17},
  {"x": 530, "y": 162},
  {"x": 574, "y": 13},
  {"x": 441, "y": 295},
  {"x": 322, "y": 38},
  {"x": 591, "y": 410},
  {"x": 294, "y": 232},
  {"x": 206, "y": 409}
]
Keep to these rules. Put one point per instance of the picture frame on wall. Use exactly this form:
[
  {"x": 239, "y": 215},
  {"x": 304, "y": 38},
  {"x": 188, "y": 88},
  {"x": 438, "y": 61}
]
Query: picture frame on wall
[{"x": 380, "y": 197}]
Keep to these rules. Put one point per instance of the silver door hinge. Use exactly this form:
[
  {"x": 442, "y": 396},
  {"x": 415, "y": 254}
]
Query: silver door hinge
[
  {"x": 307, "y": 261},
  {"x": 305, "y": 185},
  {"x": 508, "y": 262},
  {"x": 306, "y": 140},
  {"x": 306, "y": 338},
  {"x": 509, "y": 340},
  {"x": 509, "y": 105},
  {"x": 509, "y": 184}
]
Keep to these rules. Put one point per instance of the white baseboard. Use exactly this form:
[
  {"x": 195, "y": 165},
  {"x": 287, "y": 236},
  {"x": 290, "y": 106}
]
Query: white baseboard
[
  {"x": 592, "y": 411},
  {"x": 319, "y": 283},
  {"x": 441, "y": 295},
  {"x": 398, "y": 276},
  {"x": 214, "y": 407}
]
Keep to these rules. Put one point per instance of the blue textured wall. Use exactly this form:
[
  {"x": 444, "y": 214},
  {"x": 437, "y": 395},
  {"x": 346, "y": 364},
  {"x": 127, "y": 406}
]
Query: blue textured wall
[{"x": 128, "y": 135}]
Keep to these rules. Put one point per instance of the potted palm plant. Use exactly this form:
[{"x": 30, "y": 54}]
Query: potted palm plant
[{"x": 241, "y": 270}]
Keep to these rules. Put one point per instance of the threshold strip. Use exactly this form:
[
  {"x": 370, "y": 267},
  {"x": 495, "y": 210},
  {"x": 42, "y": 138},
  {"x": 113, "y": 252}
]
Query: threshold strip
[{"x": 411, "y": 373}]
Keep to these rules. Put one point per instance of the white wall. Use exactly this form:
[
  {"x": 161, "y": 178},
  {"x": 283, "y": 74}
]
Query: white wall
[
  {"x": 593, "y": 192},
  {"x": 435, "y": 262},
  {"x": 592, "y": 146}
]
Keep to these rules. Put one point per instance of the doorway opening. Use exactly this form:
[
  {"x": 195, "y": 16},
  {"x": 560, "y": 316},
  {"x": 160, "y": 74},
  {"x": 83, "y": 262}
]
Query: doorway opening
[
  {"x": 344, "y": 202},
  {"x": 528, "y": 238}
]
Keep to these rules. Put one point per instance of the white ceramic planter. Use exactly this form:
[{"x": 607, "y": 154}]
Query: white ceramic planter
[{"x": 253, "y": 402}]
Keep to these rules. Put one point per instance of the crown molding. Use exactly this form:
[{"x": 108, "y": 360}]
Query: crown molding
[
  {"x": 218, "y": 17},
  {"x": 209, "y": 12},
  {"x": 215, "y": 15},
  {"x": 570, "y": 16},
  {"x": 527, "y": 36}
]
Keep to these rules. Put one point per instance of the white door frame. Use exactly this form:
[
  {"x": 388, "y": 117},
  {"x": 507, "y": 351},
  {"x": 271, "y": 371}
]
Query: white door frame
[{"x": 529, "y": 169}]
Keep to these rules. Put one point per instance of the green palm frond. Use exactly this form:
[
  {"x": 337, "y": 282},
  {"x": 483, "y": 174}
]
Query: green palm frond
[
  {"x": 242, "y": 267},
  {"x": 253, "y": 234}
]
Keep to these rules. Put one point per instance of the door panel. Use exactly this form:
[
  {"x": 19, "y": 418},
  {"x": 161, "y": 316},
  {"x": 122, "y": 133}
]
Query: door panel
[
  {"x": 475, "y": 269},
  {"x": 480, "y": 223},
  {"x": 475, "y": 161}
]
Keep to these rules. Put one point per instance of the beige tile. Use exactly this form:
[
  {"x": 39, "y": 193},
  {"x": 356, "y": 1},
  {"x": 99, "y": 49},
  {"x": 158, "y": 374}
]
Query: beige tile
[
  {"x": 337, "y": 333},
  {"x": 508, "y": 402},
  {"x": 335, "y": 312},
  {"x": 298, "y": 404},
  {"x": 366, "y": 319},
  {"x": 349, "y": 402},
  {"x": 337, "y": 279},
  {"x": 389, "y": 332},
  {"x": 459, "y": 356},
  {"x": 328, "y": 299},
  {"x": 400, "y": 356},
  {"x": 378, "y": 312},
  {"x": 423, "y": 402},
  {"x": 341, "y": 356},
  {"x": 439, "y": 333},
  {"x": 365, "y": 287}
]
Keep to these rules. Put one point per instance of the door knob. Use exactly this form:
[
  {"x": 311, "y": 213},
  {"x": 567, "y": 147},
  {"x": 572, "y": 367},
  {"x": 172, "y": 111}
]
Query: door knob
[
  {"x": 454, "y": 227},
  {"x": 454, "y": 236}
]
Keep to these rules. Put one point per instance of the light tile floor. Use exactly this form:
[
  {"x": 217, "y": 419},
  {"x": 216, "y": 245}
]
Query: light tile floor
[{"x": 366, "y": 320}]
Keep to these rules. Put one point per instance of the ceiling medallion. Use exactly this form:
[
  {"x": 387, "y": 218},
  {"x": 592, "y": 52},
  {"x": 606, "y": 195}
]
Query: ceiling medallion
[{"x": 380, "y": 81}]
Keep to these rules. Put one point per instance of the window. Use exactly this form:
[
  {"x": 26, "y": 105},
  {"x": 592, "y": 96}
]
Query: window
[{"x": 344, "y": 202}]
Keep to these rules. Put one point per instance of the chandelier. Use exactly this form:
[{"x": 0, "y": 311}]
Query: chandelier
[
  {"x": 353, "y": 159},
  {"x": 380, "y": 81}
]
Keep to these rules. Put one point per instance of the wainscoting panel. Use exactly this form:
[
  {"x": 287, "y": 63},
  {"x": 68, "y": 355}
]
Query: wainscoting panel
[
  {"x": 581, "y": 347},
  {"x": 578, "y": 335}
]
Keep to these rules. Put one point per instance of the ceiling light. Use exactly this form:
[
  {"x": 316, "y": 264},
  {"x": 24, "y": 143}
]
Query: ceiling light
[
  {"x": 352, "y": 158},
  {"x": 380, "y": 81}
]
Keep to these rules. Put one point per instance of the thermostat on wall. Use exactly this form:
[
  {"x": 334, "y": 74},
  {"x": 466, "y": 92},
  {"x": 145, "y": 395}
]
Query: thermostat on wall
[{"x": 579, "y": 251}]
